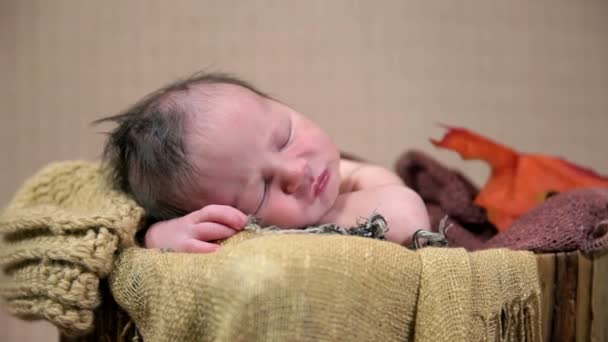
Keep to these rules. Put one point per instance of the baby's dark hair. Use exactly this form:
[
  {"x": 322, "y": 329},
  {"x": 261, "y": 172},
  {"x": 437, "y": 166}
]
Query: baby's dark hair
[{"x": 146, "y": 151}]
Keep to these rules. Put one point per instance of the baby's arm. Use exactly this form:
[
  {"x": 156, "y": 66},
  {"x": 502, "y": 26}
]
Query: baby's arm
[{"x": 369, "y": 188}]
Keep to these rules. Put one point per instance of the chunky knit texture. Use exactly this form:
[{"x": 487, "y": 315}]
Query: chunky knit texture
[{"x": 59, "y": 238}]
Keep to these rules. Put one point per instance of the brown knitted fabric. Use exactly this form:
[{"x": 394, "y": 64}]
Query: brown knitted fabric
[
  {"x": 446, "y": 192},
  {"x": 575, "y": 220}
]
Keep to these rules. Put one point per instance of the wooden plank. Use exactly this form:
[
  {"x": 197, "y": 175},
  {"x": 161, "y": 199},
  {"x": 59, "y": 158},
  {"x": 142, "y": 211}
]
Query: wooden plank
[
  {"x": 599, "y": 302},
  {"x": 546, "y": 275},
  {"x": 583, "y": 297},
  {"x": 564, "y": 308}
]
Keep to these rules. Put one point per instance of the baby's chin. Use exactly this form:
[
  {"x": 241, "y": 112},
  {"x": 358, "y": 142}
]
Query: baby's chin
[
  {"x": 299, "y": 224},
  {"x": 302, "y": 220}
]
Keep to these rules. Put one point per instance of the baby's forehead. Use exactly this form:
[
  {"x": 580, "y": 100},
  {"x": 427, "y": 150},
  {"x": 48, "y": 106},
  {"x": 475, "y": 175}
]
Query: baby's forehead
[
  {"x": 226, "y": 106},
  {"x": 228, "y": 129},
  {"x": 224, "y": 94}
]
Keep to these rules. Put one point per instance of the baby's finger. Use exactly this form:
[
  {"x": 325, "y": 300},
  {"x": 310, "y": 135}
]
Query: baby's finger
[
  {"x": 197, "y": 246},
  {"x": 223, "y": 214},
  {"x": 211, "y": 231}
]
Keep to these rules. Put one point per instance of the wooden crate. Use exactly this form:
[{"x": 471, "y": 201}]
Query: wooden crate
[{"x": 574, "y": 296}]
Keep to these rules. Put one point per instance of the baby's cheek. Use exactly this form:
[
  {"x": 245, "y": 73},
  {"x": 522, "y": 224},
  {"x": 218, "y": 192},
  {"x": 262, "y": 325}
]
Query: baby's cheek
[{"x": 288, "y": 213}]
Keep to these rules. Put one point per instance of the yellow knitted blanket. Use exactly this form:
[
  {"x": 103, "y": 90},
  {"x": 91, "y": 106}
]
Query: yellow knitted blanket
[
  {"x": 59, "y": 238},
  {"x": 64, "y": 229}
]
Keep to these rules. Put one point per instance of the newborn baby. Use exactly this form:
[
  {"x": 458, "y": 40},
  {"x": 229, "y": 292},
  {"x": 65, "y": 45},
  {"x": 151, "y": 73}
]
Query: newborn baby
[{"x": 202, "y": 154}]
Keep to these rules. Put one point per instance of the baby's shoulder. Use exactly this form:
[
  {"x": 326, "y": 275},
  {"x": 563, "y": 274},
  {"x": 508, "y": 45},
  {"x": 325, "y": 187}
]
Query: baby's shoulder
[
  {"x": 347, "y": 167},
  {"x": 357, "y": 175}
]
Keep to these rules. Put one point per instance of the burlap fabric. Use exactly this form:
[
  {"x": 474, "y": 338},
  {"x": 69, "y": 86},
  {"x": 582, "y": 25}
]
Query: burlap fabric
[
  {"x": 64, "y": 229},
  {"x": 573, "y": 220},
  {"x": 329, "y": 288}
]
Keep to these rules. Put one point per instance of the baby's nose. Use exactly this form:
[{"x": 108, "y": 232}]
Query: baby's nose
[{"x": 295, "y": 175}]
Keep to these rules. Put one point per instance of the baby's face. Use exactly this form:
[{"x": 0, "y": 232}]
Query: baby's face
[{"x": 261, "y": 157}]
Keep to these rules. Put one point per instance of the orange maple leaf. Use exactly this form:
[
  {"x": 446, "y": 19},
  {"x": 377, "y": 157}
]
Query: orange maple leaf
[{"x": 518, "y": 181}]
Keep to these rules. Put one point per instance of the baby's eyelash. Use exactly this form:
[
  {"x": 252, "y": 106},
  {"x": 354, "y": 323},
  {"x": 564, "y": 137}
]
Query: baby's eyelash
[
  {"x": 264, "y": 194},
  {"x": 289, "y": 136}
]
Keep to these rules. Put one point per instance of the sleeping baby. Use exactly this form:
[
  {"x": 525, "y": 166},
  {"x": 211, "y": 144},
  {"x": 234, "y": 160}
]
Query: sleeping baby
[{"x": 202, "y": 154}]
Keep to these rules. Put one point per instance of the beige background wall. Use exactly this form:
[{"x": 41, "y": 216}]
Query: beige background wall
[{"x": 378, "y": 75}]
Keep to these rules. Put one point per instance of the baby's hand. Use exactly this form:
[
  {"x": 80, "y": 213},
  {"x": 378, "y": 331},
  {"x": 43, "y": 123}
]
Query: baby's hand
[{"x": 192, "y": 233}]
